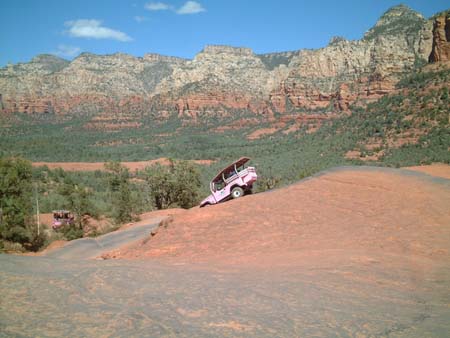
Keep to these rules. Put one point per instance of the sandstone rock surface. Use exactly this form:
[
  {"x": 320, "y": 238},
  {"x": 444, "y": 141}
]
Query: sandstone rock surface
[{"x": 441, "y": 38}]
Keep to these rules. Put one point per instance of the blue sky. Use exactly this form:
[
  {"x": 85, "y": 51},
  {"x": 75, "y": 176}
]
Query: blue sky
[{"x": 182, "y": 28}]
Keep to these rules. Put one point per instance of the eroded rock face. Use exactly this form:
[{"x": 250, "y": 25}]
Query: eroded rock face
[
  {"x": 223, "y": 77},
  {"x": 441, "y": 38},
  {"x": 345, "y": 71},
  {"x": 96, "y": 81},
  {"x": 225, "y": 69}
]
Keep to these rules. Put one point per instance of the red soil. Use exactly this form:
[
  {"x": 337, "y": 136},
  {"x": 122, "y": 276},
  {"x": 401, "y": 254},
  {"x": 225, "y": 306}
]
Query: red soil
[
  {"x": 53, "y": 245},
  {"x": 261, "y": 132},
  {"x": 435, "y": 169},
  {"x": 46, "y": 219},
  {"x": 148, "y": 216},
  {"x": 323, "y": 219},
  {"x": 93, "y": 166}
]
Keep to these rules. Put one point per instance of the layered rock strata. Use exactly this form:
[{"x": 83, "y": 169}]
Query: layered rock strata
[{"x": 223, "y": 78}]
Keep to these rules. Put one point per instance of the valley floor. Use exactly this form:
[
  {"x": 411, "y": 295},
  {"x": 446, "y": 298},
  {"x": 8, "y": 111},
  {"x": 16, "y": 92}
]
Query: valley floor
[{"x": 93, "y": 166}]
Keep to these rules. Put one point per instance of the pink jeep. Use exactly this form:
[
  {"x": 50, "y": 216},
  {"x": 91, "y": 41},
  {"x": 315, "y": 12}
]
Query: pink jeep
[
  {"x": 61, "y": 218},
  {"x": 231, "y": 182}
]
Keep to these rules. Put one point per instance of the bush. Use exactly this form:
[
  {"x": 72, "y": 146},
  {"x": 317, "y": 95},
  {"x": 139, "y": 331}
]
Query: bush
[
  {"x": 16, "y": 202},
  {"x": 120, "y": 192},
  {"x": 37, "y": 241},
  {"x": 7, "y": 246},
  {"x": 72, "y": 232},
  {"x": 79, "y": 203},
  {"x": 174, "y": 185}
]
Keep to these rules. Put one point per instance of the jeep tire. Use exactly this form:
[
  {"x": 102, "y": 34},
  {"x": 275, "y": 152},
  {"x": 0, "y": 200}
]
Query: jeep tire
[{"x": 237, "y": 192}]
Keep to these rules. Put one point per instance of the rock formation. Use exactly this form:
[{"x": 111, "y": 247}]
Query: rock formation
[
  {"x": 223, "y": 78},
  {"x": 441, "y": 38},
  {"x": 363, "y": 69}
]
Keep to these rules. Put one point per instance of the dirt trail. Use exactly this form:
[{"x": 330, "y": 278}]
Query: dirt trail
[
  {"x": 352, "y": 252},
  {"x": 93, "y": 166},
  {"x": 85, "y": 248}
]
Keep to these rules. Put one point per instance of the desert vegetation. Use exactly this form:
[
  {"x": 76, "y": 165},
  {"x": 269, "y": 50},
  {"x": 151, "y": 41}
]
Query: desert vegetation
[
  {"x": 17, "y": 230},
  {"x": 115, "y": 195}
]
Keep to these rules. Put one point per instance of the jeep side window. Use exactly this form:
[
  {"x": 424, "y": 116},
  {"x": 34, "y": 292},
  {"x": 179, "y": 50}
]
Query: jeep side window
[{"x": 218, "y": 185}]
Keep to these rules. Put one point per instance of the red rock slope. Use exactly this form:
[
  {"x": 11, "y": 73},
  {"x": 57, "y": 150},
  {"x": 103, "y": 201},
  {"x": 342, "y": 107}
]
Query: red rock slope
[{"x": 379, "y": 211}]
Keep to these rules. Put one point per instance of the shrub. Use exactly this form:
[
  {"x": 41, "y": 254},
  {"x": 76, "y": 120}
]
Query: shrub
[
  {"x": 174, "y": 185},
  {"x": 16, "y": 201},
  {"x": 71, "y": 232},
  {"x": 8, "y": 246},
  {"x": 120, "y": 192}
]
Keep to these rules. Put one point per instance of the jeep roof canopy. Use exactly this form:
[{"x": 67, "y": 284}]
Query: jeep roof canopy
[
  {"x": 237, "y": 163},
  {"x": 62, "y": 213}
]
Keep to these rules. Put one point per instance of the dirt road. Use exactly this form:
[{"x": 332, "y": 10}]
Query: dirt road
[
  {"x": 85, "y": 248},
  {"x": 354, "y": 252}
]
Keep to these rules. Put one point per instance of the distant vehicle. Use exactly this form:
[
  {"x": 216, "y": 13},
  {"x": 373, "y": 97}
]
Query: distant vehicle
[
  {"x": 61, "y": 218},
  {"x": 232, "y": 182}
]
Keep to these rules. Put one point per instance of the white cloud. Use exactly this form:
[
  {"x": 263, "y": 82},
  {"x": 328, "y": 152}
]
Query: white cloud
[
  {"x": 157, "y": 6},
  {"x": 92, "y": 29},
  {"x": 140, "y": 19},
  {"x": 191, "y": 7},
  {"x": 65, "y": 50}
]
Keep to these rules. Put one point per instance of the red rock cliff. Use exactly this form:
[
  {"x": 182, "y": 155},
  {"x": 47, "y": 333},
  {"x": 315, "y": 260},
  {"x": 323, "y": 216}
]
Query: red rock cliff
[{"x": 441, "y": 39}]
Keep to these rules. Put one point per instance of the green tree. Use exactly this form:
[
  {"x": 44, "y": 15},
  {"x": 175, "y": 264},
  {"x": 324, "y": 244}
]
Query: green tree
[
  {"x": 78, "y": 201},
  {"x": 16, "y": 223},
  {"x": 119, "y": 185},
  {"x": 159, "y": 180},
  {"x": 173, "y": 184},
  {"x": 444, "y": 95}
]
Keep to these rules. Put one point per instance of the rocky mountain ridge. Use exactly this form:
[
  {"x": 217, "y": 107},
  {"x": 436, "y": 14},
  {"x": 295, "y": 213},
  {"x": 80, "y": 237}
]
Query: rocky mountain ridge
[{"x": 221, "y": 78}]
